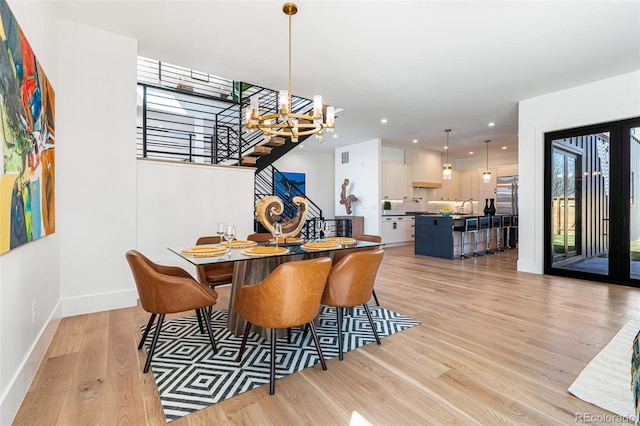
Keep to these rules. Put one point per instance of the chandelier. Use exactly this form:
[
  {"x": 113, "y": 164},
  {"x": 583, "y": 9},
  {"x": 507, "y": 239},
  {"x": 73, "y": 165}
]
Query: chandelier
[
  {"x": 446, "y": 167},
  {"x": 486, "y": 175},
  {"x": 285, "y": 122}
]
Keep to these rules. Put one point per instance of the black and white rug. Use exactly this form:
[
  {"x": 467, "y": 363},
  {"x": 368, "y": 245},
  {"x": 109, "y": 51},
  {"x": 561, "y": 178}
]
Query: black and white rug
[{"x": 189, "y": 377}]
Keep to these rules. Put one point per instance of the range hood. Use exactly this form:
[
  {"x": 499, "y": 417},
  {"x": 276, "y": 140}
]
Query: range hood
[{"x": 426, "y": 184}]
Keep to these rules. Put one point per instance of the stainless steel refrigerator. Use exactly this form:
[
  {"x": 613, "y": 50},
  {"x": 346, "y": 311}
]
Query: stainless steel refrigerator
[{"x": 507, "y": 195}]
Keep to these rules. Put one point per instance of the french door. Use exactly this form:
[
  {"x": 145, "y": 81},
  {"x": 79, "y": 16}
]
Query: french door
[{"x": 592, "y": 215}]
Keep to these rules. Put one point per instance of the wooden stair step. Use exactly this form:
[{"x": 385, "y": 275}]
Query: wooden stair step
[
  {"x": 248, "y": 161},
  {"x": 274, "y": 141},
  {"x": 259, "y": 150}
]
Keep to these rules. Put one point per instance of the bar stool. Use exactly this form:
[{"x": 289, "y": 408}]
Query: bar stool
[
  {"x": 483, "y": 225},
  {"x": 470, "y": 227},
  {"x": 506, "y": 225},
  {"x": 496, "y": 223}
]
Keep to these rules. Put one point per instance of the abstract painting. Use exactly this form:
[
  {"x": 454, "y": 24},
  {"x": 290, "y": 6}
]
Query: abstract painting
[
  {"x": 27, "y": 133},
  {"x": 287, "y": 186}
]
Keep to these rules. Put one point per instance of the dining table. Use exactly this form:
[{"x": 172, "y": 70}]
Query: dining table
[{"x": 251, "y": 268}]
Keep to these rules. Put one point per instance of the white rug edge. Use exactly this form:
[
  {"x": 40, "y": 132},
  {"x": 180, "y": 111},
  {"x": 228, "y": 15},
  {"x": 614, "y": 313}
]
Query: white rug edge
[{"x": 613, "y": 361}]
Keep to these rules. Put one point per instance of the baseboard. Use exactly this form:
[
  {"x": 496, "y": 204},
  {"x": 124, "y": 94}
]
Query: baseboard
[
  {"x": 91, "y": 303},
  {"x": 528, "y": 266},
  {"x": 21, "y": 380}
]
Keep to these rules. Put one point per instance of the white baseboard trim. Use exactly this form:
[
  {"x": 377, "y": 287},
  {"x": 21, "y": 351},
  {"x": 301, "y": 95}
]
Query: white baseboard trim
[
  {"x": 529, "y": 266},
  {"x": 21, "y": 380},
  {"x": 91, "y": 303}
]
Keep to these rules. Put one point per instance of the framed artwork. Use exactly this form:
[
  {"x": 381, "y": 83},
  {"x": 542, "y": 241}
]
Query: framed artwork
[
  {"x": 27, "y": 133},
  {"x": 286, "y": 186}
]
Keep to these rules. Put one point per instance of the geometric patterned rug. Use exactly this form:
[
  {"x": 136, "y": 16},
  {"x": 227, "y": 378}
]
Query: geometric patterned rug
[{"x": 189, "y": 377}]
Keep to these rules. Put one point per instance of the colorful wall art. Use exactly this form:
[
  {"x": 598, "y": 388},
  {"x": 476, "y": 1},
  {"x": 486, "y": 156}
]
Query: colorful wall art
[
  {"x": 287, "y": 186},
  {"x": 27, "y": 133}
]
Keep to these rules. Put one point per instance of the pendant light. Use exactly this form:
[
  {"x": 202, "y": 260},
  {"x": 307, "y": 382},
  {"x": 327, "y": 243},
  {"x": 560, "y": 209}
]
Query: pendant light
[
  {"x": 486, "y": 175},
  {"x": 446, "y": 167}
]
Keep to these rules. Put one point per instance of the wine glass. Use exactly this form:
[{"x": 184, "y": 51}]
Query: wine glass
[
  {"x": 318, "y": 227},
  {"x": 326, "y": 229},
  {"x": 276, "y": 231},
  {"x": 230, "y": 234},
  {"x": 222, "y": 228}
]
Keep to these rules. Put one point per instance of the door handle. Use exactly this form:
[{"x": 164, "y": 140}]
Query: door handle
[{"x": 395, "y": 225}]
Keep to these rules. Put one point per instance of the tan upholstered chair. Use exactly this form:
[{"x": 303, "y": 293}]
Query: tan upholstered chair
[
  {"x": 216, "y": 274},
  {"x": 350, "y": 284},
  {"x": 338, "y": 255},
  {"x": 167, "y": 290},
  {"x": 288, "y": 297},
  {"x": 260, "y": 236}
]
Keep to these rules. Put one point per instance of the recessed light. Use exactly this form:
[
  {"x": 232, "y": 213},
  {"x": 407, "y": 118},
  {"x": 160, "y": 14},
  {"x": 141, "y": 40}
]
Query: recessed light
[
  {"x": 335, "y": 136},
  {"x": 415, "y": 141},
  {"x": 301, "y": 146},
  {"x": 383, "y": 121},
  {"x": 470, "y": 152},
  {"x": 492, "y": 124},
  {"x": 445, "y": 147},
  {"x": 504, "y": 147}
]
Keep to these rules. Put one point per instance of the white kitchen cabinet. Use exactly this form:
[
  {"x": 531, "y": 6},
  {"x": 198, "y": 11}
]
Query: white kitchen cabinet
[
  {"x": 396, "y": 181},
  {"x": 398, "y": 229},
  {"x": 426, "y": 165},
  {"x": 450, "y": 190},
  {"x": 469, "y": 185},
  {"x": 511, "y": 170}
]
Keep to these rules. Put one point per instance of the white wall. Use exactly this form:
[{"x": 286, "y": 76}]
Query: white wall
[
  {"x": 363, "y": 172},
  {"x": 177, "y": 203},
  {"x": 606, "y": 100},
  {"x": 95, "y": 167},
  {"x": 319, "y": 170}
]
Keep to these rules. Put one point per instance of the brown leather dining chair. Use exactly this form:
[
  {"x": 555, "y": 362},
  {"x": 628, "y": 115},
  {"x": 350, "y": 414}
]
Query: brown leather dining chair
[
  {"x": 288, "y": 297},
  {"x": 338, "y": 255},
  {"x": 167, "y": 290},
  {"x": 259, "y": 236},
  {"x": 350, "y": 284},
  {"x": 216, "y": 274}
]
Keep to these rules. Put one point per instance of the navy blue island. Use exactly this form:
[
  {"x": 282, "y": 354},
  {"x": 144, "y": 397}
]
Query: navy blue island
[{"x": 434, "y": 236}]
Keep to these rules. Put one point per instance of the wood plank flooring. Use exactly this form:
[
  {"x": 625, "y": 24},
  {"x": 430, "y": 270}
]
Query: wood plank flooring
[{"x": 495, "y": 347}]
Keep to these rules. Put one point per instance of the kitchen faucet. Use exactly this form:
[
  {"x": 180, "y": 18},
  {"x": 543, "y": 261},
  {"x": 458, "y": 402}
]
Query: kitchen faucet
[{"x": 470, "y": 201}]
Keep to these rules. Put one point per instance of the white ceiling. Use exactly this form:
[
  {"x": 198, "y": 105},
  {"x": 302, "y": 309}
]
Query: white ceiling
[{"x": 423, "y": 65}]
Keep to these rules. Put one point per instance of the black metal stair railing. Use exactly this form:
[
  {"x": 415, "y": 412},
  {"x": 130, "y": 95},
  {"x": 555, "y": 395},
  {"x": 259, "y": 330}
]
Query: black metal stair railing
[
  {"x": 265, "y": 186},
  {"x": 198, "y": 117}
]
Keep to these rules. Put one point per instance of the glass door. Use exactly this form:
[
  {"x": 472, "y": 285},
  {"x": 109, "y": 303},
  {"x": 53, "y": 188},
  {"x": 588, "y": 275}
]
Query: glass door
[
  {"x": 564, "y": 206},
  {"x": 592, "y": 203}
]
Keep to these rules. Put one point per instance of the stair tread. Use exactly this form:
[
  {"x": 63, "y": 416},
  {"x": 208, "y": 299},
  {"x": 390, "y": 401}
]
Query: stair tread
[
  {"x": 274, "y": 141},
  {"x": 259, "y": 150},
  {"x": 248, "y": 161}
]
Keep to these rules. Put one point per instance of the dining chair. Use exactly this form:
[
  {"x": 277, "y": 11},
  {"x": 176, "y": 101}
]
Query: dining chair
[
  {"x": 338, "y": 255},
  {"x": 259, "y": 236},
  {"x": 168, "y": 290},
  {"x": 288, "y": 297},
  {"x": 217, "y": 273},
  {"x": 350, "y": 284}
]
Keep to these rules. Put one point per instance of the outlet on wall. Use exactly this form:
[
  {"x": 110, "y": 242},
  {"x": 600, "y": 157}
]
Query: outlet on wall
[{"x": 34, "y": 309}]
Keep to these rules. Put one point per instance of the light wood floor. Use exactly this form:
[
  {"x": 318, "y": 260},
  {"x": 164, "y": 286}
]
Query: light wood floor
[{"x": 495, "y": 347}]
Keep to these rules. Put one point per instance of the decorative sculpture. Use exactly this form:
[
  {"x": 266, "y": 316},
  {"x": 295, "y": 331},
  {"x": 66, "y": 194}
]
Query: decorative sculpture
[
  {"x": 347, "y": 200},
  {"x": 271, "y": 207}
]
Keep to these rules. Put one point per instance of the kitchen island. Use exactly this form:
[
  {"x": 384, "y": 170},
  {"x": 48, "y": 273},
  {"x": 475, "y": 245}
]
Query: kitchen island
[
  {"x": 460, "y": 236},
  {"x": 434, "y": 236}
]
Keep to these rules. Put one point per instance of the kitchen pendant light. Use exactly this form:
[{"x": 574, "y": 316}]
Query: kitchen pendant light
[
  {"x": 285, "y": 122},
  {"x": 486, "y": 175},
  {"x": 446, "y": 167}
]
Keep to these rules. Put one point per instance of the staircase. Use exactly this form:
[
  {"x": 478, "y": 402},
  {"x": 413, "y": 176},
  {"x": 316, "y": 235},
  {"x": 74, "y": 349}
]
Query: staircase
[{"x": 196, "y": 117}]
